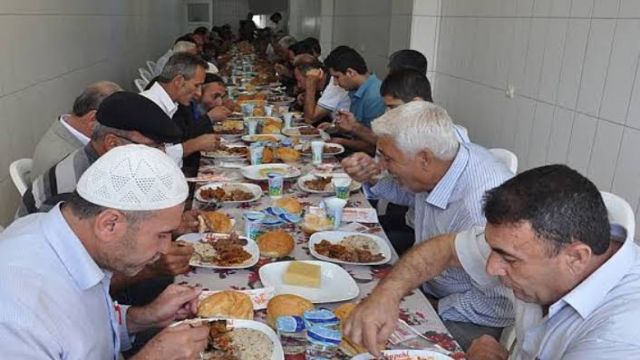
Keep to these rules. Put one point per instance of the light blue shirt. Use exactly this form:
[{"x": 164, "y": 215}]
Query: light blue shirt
[
  {"x": 366, "y": 102},
  {"x": 454, "y": 205},
  {"x": 598, "y": 319},
  {"x": 54, "y": 299}
]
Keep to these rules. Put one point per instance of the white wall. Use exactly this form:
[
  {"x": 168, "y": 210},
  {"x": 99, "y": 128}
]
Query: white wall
[
  {"x": 305, "y": 18},
  {"x": 573, "y": 64},
  {"x": 230, "y": 12},
  {"x": 50, "y": 50},
  {"x": 365, "y": 26}
]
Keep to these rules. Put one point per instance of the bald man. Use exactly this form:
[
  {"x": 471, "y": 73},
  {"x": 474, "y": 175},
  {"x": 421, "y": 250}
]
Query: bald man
[{"x": 71, "y": 131}]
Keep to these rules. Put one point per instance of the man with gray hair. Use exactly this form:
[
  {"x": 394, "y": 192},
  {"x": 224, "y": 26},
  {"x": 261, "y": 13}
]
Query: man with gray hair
[
  {"x": 56, "y": 267},
  {"x": 180, "y": 83},
  {"x": 180, "y": 46},
  {"x": 71, "y": 131},
  {"x": 445, "y": 180}
]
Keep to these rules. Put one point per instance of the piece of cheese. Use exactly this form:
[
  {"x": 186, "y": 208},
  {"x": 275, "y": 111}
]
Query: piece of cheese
[{"x": 302, "y": 274}]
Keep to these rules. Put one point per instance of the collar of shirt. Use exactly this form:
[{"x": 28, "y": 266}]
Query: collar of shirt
[
  {"x": 440, "y": 194},
  {"x": 359, "y": 93},
  {"x": 80, "y": 136},
  {"x": 91, "y": 153},
  {"x": 158, "y": 95},
  {"x": 70, "y": 250},
  {"x": 586, "y": 297}
]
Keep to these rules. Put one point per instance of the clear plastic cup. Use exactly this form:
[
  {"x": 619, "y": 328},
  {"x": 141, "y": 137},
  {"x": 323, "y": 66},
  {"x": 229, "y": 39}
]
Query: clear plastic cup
[
  {"x": 252, "y": 221},
  {"x": 334, "y": 208},
  {"x": 288, "y": 117},
  {"x": 255, "y": 153},
  {"x": 268, "y": 110},
  {"x": 316, "y": 151},
  {"x": 247, "y": 109},
  {"x": 252, "y": 126}
]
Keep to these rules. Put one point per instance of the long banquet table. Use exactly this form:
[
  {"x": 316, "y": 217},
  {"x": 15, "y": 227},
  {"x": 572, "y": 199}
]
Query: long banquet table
[{"x": 415, "y": 310}]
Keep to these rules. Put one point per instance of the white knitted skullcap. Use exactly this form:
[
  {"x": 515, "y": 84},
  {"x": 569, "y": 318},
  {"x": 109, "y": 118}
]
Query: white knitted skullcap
[{"x": 133, "y": 177}]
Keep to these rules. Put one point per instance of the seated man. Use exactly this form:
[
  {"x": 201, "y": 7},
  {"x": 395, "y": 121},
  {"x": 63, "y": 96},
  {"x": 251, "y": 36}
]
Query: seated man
[
  {"x": 73, "y": 130},
  {"x": 179, "y": 83},
  {"x": 56, "y": 267},
  {"x": 182, "y": 44},
  {"x": 576, "y": 280},
  {"x": 407, "y": 59},
  {"x": 350, "y": 72},
  {"x": 445, "y": 181},
  {"x": 213, "y": 100},
  {"x": 322, "y": 98}
]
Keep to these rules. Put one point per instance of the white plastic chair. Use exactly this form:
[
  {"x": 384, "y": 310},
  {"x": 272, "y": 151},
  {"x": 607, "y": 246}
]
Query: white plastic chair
[
  {"x": 140, "y": 84},
  {"x": 620, "y": 212},
  {"x": 151, "y": 65},
  {"x": 20, "y": 171},
  {"x": 145, "y": 74},
  {"x": 506, "y": 157}
]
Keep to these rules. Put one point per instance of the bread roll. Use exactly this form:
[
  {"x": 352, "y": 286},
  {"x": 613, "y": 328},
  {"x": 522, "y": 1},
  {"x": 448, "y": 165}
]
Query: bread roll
[
  {"x": 286, "y": 305},
  {"x": 313, "y": 223},
  {"x": 276, "y": 243},
  {"x": 289, "y": 204},
  {"x": 288, "y": 154},
  {"x": 267, "y": 155},
  {"x": 214, "y": 221},
  {"x": 227, "y": 304},
  {"x": 270, "y": 129}
]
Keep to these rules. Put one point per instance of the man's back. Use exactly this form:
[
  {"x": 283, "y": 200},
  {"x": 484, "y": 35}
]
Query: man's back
[{"x": 55, "y": 145}]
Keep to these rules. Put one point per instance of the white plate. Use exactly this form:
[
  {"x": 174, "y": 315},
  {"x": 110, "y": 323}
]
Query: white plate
[
  {"x": 259, "y": 172},
  {"x": 223, "y": 155},
  {"x": 408, "y": 355},
  {"x": 251, "y": 248},
  {"x": 295, "y": 132},
  {"x": 329, "y": 189},
  {"x": 337, "y": 236},
  {"x": 277, "y": 354},
  {"x": 335, "y": 284},
  {"x": 263, "y": 138},
  {"x": 324, "y": 154},
  {"x": 252, "y": 188}
]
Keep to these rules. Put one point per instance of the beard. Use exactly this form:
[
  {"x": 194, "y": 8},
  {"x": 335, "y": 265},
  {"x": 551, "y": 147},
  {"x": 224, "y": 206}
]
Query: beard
[{"x": 122, "y": 258}]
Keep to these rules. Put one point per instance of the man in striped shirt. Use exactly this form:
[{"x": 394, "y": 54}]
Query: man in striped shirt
[{"x": 445, "y": 180}]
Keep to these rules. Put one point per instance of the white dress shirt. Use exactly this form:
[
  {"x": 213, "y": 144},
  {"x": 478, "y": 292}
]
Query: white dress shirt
[
  {"x": 159, "y": 96},
  {"x": 78, "y": 135}
]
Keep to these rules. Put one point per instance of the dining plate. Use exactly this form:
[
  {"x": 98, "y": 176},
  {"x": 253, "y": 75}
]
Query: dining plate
[
  {"x": 296, "y": 132},
  {"x": 263, "y": 138},
  {"x": 329, "y": 189},
  {"x": 259, "y": 172},
  {"x": 227, "y": 187},
  {"x": 406, "y": 355},
  {"x": 335, "y": 237},
  {"x": 221, "y": 154},
  {"x": 196, "y": 260},
  {"x": 277, "y": 352},
  {"x": 330, "y": 149},
  {"x": 335, "y": 284}
]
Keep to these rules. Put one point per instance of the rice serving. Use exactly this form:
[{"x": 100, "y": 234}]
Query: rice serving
[
  {"x": 251, "y": 344},
  {"x": 360, "y": 242}
]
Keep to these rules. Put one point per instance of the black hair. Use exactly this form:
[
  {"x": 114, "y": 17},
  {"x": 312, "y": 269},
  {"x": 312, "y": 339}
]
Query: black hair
[
  {"x": 406, "y": 85},
  {"x": 343, "y": 58},
  {"x": 213, "y": 78},
  {"x": 407, "y": 59},
  {"x": 201, "y": 30},
  {"x": 274, "y": 15},
  {"x": 301, "y": 47},
  {"x": 561, "y": 205},
  {"x": 185, "y": 37},
  {"x": 314, "y": 44}
]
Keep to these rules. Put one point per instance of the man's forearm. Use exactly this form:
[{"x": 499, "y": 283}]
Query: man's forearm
[
  {"x": 366, "y": 134},
  {"x": 422, "y": 263}
]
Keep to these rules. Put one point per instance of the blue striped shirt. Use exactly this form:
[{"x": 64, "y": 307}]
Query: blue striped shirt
[
  {"x": 454, "y": 205},
  {"x": 54, "y": 299}
]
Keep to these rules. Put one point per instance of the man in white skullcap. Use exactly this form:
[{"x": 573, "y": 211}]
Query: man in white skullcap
[{"x": 55, "y": 267}]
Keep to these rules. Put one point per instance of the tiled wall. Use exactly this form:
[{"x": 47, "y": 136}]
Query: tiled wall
[
  {"x": 229, "y": 12},
  {"x": 305, "y": 19},
  {"x": 573, "y": 65},
  {"x": 50, "y": 50}
]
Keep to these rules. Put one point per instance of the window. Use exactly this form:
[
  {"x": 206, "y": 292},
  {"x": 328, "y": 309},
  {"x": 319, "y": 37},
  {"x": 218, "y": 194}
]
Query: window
[{"x": 260, "y": 21}]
